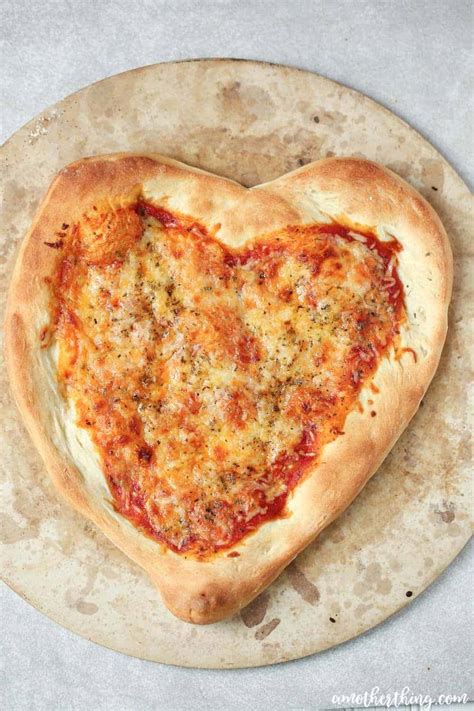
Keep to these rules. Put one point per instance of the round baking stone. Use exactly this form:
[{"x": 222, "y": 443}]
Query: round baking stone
[{"x": 252, "y": 122}]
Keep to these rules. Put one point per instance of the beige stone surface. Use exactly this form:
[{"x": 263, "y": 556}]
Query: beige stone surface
[{"x": 252, "y": 122}]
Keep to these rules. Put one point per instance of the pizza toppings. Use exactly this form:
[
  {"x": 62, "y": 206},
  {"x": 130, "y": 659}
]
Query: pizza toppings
[
  {"x": 210, "y": 379},
  {"x": 106, "y": 235}
]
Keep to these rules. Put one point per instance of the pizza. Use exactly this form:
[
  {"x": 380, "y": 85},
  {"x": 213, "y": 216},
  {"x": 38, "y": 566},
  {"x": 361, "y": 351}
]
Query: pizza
[{"x": 212, "y": 373}]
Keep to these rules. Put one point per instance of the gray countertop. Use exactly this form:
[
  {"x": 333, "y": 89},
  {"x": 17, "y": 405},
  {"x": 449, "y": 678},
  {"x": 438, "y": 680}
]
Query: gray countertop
[{"x": 413, "y": 57}]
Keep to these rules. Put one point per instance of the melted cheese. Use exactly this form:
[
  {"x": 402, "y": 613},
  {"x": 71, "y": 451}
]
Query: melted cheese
[{"x": 210, "y": 379}]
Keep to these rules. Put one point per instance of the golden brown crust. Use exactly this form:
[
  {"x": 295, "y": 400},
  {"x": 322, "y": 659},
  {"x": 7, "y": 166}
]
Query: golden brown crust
[{"x": 350, "y": 190}]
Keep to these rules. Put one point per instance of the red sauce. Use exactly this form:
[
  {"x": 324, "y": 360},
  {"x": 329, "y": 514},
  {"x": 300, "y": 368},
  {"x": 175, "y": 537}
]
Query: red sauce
[{"x": 166, "y": 218}]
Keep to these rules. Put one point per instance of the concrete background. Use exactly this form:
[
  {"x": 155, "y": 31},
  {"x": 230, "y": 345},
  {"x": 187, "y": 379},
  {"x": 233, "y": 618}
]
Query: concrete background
[{"x": 415, "y": 57}]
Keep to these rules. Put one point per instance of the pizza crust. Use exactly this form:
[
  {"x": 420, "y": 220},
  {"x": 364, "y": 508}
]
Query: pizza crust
[{"x": 348, "y": 190}]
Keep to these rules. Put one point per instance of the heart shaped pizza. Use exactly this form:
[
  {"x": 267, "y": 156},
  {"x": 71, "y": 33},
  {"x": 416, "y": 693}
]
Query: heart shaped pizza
[{"x": 212, "y": 373}]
